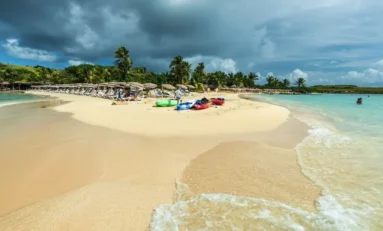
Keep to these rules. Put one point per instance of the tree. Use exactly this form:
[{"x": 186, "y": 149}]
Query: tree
[
  {"x": 199, "y": 75},
  {"x": 11, "y": 76},
  {"x": 270, "y": 81},
  {"x": 286, "y": 83},
  {"x": 230, "y": 79},
  {"x": 179, "y": 70},
  {"x": 252, "y": 77},
  {"x": 301, "y": 82},
  {"x": 123, "y": 61},
  {"x": 238, "y": 79}
]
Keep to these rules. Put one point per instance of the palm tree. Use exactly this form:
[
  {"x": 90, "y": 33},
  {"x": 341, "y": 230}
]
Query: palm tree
[
  {"x": 186, "y": 67},
  {"x": 286, "y": 83},
  {"x": 123, "y": 60},
  {"x": 199, "y": 75},
  {"x": 252, "y": 78},
  {"x": 179, "y": 69},
  {"x": 270, "y": 81},
  {"x": 238, "y": 79},
  {"x": 301, "y": 82}
]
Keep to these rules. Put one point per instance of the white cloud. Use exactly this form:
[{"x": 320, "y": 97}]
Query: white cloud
[
  {"x": 370, "y": 76},
  {"x": 14, "y": 49},
  {"x": 296, "y": 74},
  {"x": 354, "y": 74},
  {"x": 214, "y": 63},
  {"x": 78, "y": 62},
  {"x": 225, "y": 65},
  {"x": 379, "y": 63}
]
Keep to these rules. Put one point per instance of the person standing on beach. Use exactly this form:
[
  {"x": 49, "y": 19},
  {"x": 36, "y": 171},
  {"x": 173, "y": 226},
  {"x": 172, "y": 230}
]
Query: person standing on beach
[
  {"x": 119, "y": 96},
  {"x": 178, "y": 95}
]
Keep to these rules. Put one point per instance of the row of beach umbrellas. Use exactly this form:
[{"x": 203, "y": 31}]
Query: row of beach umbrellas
[{"x": 118, "y": 84}]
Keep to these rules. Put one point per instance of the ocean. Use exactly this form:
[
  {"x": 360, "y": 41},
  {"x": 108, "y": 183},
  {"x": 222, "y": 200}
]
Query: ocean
[
  {"x": 343, "y": 155},
  {"x": 11, "y": 98}
]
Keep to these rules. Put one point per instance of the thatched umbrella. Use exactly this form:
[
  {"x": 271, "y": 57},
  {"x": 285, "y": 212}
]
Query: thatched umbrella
[
  {"x": 135, "y": 84},
  {"x": 150, "y": 85},
  {"x": 168, "y": 87},
  {"x": 190, "y": 86},
  {"x": 182, "y": 86},
  {"x": 233, "y": 86}
]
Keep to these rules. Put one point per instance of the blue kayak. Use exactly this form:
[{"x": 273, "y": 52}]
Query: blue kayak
[{"x": 186, "y": 105}]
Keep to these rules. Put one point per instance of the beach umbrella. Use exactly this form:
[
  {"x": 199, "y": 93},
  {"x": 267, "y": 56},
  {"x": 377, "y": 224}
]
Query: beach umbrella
[
  {"x": 233, "y": 86},
  {"x": 135, "y": 84},
  {"x": 182, "y": 86},
  {"x": 150, "y": 85},
  {"x": 168, "y": 87},
  {"x": 190, "y": 86}
]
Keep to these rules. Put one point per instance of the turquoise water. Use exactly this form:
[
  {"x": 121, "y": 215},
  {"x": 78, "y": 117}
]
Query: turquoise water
[
  {"x": 10, "y": 98},
  {"x": 343, "y": 155}
]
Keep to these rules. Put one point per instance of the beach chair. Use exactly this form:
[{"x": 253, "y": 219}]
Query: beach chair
[
  {"x": 157, "y": 93},
  {"x": 109, "y": 93},
  {"x": 135, "y": 96},
  {"x": 101, "y": 93},
  {"x": 185, "y": 92}
]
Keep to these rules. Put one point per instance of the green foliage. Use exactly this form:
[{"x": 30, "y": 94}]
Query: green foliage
[
  {"x": 123, "y": 62},
  {"x": 301, "y": 83},
  {"x": 199, "y": 87},
  {"x": 179, "y": 70},
  {"x": 346, "y": 89}
]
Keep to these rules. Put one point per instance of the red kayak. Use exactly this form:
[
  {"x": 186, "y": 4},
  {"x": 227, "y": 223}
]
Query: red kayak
[
  {"x": 217, "y": 101},
  {"x": 201, "y": 106}
]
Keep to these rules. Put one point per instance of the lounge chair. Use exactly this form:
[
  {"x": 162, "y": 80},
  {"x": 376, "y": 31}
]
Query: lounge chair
[{"x": 134, "y": 96}]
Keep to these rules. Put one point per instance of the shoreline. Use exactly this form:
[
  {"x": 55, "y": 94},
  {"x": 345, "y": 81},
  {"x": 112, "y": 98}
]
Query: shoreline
[{"x": 164, "y": 164}]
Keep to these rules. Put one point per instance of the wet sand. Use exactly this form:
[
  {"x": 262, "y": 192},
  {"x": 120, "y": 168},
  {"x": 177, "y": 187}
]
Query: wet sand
[
  {"x": 255, "y": 169},
  {"x": 59, "y": 173}
]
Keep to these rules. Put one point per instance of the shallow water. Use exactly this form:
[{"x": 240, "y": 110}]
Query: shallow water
[
  {"x": 343, "y": 154},
  {"x": 12, "y": 98}
]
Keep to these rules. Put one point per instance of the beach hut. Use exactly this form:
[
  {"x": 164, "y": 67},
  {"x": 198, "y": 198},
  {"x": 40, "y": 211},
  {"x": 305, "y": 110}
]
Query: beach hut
[{"x": 4, "y": 85}]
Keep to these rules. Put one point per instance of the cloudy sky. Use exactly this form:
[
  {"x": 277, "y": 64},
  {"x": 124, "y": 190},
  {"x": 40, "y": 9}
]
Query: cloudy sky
[{"x": 324, "y": 41}]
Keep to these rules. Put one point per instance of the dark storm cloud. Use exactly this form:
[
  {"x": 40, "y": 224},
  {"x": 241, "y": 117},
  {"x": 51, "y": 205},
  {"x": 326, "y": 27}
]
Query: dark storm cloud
[
  {"x": 256, "y": 35},
  {"x": 163, "y": 29}
]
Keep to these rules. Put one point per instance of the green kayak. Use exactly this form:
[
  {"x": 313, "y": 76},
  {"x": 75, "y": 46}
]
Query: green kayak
[{"x": 166, "y": 103}]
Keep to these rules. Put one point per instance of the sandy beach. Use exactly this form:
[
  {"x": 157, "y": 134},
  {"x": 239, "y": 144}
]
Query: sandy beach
[{"x": 90, "y": 165}]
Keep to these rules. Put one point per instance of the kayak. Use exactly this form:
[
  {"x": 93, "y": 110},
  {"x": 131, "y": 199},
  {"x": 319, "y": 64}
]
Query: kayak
[
  {"x": 166, "y": 103},
  {"x": 201, "y": 104},
  {"x": 186, "y": 105},
  {"x": 218, "y": 101}
]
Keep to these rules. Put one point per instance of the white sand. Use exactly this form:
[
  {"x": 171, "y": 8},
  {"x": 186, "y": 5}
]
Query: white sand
[
  {"x": 237, "y": 116},
  {"x": 67, "y": 175}
]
